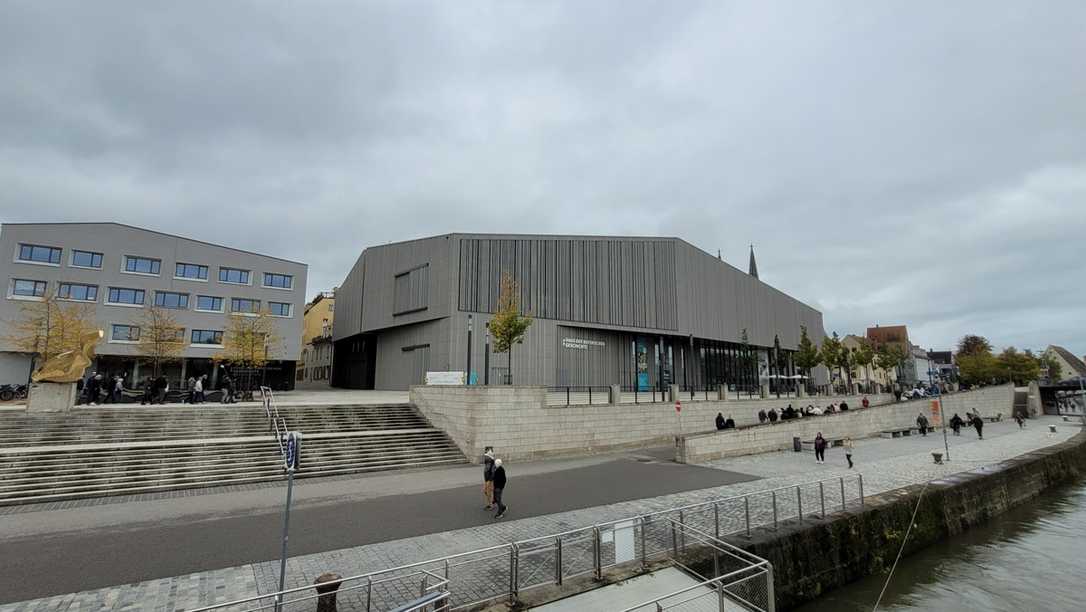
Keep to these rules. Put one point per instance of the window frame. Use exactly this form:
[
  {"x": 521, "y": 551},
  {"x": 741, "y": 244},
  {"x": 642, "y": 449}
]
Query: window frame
[
  {"x": 18, "y": 258},
  {"x": 248, "y": 313},
  {"x": 113, "y": 331},
  {"x": 179, "y": 294},
  {"x": 290, "y": 310},
  {"x": 248, "y": 278},
  {"x": 109, "y": 295},
  {"x": 62, "y": 284},
  {"x": 72, "y": 264},
  {"x": 154, "y": 261},
  {"x": 222, "y": 304},
  {"x": 12, "y": 295},
  {"x": 193, "y": 342},
  {"x": 289, "y": 277},
  {"x": 196, "y": 279}
]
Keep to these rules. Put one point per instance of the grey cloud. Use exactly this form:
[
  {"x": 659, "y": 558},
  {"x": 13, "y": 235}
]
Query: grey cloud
[{"x": 893, "y": 162}]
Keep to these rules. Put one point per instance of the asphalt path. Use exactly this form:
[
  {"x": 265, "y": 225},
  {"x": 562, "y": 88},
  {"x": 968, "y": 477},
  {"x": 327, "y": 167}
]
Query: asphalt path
[{"x": 61, "y": 562}]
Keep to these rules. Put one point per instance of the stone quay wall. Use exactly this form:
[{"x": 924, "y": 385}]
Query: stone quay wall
[
  {"x": 519, "y": 424},
  {"x": 813, "y": 556},
  {"x": 699, "y": 448}
]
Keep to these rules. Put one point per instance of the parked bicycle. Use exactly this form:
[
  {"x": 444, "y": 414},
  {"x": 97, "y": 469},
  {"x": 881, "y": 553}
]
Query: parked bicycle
[{"x": 10, "y": 392}]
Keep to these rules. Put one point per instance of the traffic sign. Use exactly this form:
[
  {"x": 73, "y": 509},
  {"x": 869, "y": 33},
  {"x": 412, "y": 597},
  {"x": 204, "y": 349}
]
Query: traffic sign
[{"x": 294, "y": 449}]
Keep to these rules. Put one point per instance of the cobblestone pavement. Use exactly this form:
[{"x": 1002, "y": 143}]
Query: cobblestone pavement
[{"x": 885, "y": 465}]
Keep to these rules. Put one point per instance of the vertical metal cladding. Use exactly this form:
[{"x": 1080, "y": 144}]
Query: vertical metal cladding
[{"x": 611, "y": 282}]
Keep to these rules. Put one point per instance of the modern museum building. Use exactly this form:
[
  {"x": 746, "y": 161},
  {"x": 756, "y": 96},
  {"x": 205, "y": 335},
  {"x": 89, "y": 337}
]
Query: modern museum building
[{"x": 632, "y": 311}]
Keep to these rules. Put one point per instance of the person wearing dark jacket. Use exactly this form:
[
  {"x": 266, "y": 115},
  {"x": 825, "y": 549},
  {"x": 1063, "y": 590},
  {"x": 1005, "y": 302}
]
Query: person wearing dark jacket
[
  {"x": 922, "y": 424},
  {"x": 762, "y": 416},
  {"x": 720, "y": 422},
  {"x": 820, "y": 448},
  {"x": 499, "y": 487},
  {"x": 729, "y": 424},
  {"x": 92, "y": 386},
  {"x": 161, "y": 385},
  {"x": 956, "y": 423},
  {"x": 978, "y": 424},
  {"x": 488, "y": 477},
  {"x": 772, "y": 415},
  {"x": 148, "y": 391}
]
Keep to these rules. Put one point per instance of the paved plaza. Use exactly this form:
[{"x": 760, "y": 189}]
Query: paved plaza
[{"x": 885, "y": 464}]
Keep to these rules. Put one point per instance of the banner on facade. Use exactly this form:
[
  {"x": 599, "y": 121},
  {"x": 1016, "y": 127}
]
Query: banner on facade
[{"x": 936, "y": 413}]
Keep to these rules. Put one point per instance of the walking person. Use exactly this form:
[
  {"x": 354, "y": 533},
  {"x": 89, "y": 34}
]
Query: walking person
[
  {"x": 226, "y": 384},
  {"x": 956, "y": 424},
  {"x": 92, "y": 387},
  {"x": 1020, "y": 420},
  {"x": 499, "y": 487},
  {"x": 148, "y": 396},
  {"x": 118, "y": 388},
  {"x": 161, "y": 387},
  {"x": 820, "y": 448},
  {"x": 848, "y": 451},
  {"x": 488, "y": 477},
  {"x": 978, "y": 424},
  {"x": 192, "y": 389},
  {"x": 922, "y": 424}
]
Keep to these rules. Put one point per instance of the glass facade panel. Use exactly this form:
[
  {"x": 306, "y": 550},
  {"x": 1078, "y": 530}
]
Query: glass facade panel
[
  {"x": 193, "y": 271},
  {"x": 28, "y": 288},
  {"x": 233, "y": 275},
  {"x": 142, "y": 265},
  {"x": 39, "y": 254},
  {"x": 78, "y": 291},
  {"x": 86, "y": 259}
]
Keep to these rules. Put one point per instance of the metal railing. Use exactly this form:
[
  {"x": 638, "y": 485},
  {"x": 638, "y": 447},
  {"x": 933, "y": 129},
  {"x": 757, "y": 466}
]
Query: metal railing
[
  {"x": 432, "y": 594},
  {"x": 736, "y": 576},
  {"x": 278, "y": 423},
  {"x": 506, "y": 571},
  {"x": 578, "y": 395}
]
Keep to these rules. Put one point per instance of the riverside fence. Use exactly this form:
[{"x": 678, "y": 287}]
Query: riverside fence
[{"x": 509, "y": 571}]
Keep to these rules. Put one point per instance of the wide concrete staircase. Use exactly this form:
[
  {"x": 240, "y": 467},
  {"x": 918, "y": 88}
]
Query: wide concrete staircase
[{"x": 97, "y": 452}]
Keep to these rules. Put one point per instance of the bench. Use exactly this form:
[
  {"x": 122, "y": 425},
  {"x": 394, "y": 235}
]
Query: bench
[
  {"x": 897, "y": 433},
  {"x": 994, "y": 419},
  {"x": 830, "y": 442}
]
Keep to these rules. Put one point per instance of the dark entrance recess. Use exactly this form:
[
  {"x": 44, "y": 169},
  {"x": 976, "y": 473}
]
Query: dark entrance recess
[{"x": 354, "y": 364}]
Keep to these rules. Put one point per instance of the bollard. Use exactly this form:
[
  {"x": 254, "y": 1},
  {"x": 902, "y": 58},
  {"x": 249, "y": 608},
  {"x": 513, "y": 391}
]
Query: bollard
[{"x": 326, "y": 593}]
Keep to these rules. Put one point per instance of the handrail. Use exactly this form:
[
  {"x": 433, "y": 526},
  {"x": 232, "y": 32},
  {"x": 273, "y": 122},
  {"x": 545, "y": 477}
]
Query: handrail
[{"x": 278, "y": 423}]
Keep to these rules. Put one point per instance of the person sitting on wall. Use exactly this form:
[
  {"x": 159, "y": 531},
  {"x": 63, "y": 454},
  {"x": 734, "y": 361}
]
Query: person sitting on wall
[
  {"x": 772, "y": 415},
  {"x": 809, "y": 410},
  {"x": 844, "y": 406},
  {"x": 865, "y": 403},
  {"x": 762, "y": 416},
  {"x": 729, "y": 424},
  {"x": 720, "y": 422}
]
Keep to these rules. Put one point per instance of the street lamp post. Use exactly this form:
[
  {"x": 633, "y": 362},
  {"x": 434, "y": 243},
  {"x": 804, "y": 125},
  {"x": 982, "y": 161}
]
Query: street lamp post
[
  {"x": 942, "y": 415},
  {"x": 468, "y": 380}
]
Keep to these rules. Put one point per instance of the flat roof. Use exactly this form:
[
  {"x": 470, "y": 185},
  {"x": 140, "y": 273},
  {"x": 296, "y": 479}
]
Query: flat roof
[{"x": 144, "y": 229}]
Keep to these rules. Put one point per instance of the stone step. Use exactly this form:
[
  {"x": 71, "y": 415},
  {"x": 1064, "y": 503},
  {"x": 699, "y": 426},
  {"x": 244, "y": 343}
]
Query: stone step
[
  {"x": 156, "y": 488},
  {"x": 98, "y": 479},
  {"x": 20, "y": 466}
]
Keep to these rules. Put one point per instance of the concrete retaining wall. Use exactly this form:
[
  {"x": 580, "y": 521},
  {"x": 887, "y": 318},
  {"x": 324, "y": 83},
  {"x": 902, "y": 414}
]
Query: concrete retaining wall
[
  {"x": 699, "y": 448},
  {"x": 517, "y": 422},
  {"x": 816, "y": 555}
]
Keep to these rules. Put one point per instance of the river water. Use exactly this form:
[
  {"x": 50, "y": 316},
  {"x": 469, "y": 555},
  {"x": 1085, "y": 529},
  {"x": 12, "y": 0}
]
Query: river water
[{"x": 1030, "y": 559}]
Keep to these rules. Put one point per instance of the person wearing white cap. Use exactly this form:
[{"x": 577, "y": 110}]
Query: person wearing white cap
[{"x": 499, "y": 487}]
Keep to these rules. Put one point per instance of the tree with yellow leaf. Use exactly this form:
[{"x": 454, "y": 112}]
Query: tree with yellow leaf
[
  {"x": 49, "y": 327},
  {"x": 250, "y": 341},
  {"x": 162, "y": 340}
]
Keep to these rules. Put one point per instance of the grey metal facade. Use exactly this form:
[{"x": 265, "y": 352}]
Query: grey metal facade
[
  {"x": 113, "y": 242},
  {"x": 596, "y": 301}
]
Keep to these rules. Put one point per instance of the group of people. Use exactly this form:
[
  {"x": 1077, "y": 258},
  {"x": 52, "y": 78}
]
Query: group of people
[
  {"x": 97, "y": 388},
  {"x": 956, "y": 423},
  {"x": 493, "y": 482},
  {"x": 789, "y": 413}
]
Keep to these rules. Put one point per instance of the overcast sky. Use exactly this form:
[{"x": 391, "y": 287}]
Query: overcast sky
[{"x": 893, "y": 162}]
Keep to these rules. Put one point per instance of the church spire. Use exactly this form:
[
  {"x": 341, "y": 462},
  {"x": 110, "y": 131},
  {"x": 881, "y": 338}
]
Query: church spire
[{"x": 753, "y": 264}]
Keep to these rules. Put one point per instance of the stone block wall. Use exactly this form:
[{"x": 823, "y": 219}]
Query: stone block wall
[
  {"x": 517, "y": 422},
  {"x": 699, "y": 448}
]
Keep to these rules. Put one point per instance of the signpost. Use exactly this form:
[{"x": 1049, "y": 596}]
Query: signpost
[{"x": 290, "y": 464}]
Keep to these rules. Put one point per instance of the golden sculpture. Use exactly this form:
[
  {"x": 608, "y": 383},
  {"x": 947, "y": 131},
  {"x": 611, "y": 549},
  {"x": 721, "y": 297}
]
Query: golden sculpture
[{"x": 68, "y": 367}]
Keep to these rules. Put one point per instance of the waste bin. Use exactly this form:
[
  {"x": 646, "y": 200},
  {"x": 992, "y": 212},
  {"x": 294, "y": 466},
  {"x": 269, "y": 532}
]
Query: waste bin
[{"x": 797, "y": 444}]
